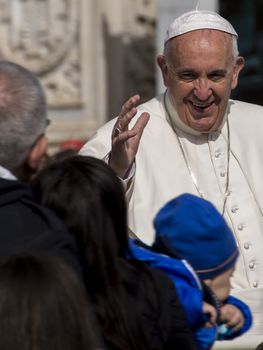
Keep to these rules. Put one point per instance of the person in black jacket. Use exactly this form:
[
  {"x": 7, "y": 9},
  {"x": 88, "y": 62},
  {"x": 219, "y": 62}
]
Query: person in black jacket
[
  {"x": 136, "y": 306},
  {"x": 26, "y": 226}
]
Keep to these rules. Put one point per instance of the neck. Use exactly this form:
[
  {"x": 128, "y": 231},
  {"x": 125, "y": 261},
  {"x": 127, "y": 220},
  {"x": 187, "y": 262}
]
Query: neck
[{"x": 23, "y": 173}]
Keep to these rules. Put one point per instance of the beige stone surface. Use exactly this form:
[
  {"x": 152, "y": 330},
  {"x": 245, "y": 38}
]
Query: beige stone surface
[{"x": 64, "y": 43}]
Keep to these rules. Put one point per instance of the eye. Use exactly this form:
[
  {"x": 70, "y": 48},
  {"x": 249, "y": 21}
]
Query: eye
[
  {"x": 187, "y": 76},
  {"x": 217, "y": 76}
]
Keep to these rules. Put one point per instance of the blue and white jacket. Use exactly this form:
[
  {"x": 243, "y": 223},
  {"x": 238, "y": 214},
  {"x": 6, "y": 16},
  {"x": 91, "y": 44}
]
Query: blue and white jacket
[{"x": 190, "y": 293}]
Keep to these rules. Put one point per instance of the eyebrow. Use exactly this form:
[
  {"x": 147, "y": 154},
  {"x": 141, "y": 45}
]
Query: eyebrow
[
  {"x": 219, "y": 71},
  {"x": 184, "y": 70},
  {"x": 191, "y": 70}
]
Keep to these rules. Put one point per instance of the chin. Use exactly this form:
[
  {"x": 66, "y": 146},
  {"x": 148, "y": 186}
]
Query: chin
[
  {"x": 204, "y": 128},
  {"x": 204, "y": 124}
]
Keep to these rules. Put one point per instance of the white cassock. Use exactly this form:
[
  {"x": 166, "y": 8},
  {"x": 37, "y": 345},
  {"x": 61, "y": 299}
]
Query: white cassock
[{"x": 173, "y": 159}]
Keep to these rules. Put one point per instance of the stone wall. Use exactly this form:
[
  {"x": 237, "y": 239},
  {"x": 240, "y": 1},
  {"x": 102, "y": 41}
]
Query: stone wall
[{"x": 90, "y": 55}]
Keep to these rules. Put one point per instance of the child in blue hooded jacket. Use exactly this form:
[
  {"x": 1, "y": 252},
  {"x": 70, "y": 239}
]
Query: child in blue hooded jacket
[{"x": 197, "y": 249}]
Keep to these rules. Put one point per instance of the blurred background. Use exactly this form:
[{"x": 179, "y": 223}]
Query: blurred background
[{"x": 91, "y": 55}]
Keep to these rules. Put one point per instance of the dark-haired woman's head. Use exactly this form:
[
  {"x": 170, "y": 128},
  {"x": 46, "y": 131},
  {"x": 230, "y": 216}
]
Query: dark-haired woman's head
[
  {"x": 89, "y": 198},
  {"x": 42, "y": 306}
]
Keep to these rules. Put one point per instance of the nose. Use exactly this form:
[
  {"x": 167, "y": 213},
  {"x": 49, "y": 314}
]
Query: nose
[{"x": 202, "y": 89}]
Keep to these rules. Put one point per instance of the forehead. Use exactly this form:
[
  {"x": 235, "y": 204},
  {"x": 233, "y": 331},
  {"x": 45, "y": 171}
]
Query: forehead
[{"x": 202, "y": 46}]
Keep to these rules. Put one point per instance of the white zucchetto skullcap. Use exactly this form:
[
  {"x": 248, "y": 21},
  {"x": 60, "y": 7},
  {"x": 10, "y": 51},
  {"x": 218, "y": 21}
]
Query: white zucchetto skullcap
[{"x": 198, "y": 19}]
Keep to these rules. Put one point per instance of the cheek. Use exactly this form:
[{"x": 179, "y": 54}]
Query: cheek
[
  {"x": 223, "y": 92},
  {"x": 234, "y": 83},
  {"x": 180, "y": 91},
  {"x": 224, "y": 294},
  {"x": 222, "y": 290},
  {"x": 228, "y": 86}
]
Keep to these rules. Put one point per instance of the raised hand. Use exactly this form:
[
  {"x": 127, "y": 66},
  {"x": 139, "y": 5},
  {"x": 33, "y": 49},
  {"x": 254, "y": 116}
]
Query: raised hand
[{"x": 125, "y": 141}]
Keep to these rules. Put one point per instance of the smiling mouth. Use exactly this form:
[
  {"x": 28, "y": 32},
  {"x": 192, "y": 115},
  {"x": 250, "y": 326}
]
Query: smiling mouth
[{"x": 201, "y": 106}]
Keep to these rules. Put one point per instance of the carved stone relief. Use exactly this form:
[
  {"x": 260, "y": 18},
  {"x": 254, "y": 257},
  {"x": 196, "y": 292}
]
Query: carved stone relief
[{"x": 43, "y": 35}]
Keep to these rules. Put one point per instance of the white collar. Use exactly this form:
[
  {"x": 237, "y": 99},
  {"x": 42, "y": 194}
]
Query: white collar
[{"x": 6, "y": 174}]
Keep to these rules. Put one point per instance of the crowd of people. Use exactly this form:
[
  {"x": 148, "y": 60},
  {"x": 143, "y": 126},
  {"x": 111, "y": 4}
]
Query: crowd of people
[{"x": 120, "y": 247}]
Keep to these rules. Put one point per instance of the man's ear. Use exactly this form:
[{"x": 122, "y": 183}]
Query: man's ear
[
  {"x": 37, "y": 153},
  {"x": 161, "y": 61},
  {"x": 240, "y": 62}
]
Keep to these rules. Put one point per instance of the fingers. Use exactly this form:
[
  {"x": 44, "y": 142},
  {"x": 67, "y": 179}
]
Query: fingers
[
  {"x": 136, "y": 131},
  {"x": 128, "y": 111},
  {"x": 124, "y": 121},
  {"x": 117, "y": 131},
  {"x": 120, "y": 135},
  {"x": 129, "y": 105},
  {"x": 232, "y": 317},
  {"x": 211, "y": 314},
  {"x": 125, "y": 142},
  {"x": 235, "y": 322},
  {"x": 125, "y": 145},
  {"x": 140, "y": 124}
]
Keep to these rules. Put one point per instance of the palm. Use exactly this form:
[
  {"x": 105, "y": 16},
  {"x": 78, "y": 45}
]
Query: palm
[{"x": 125, "y": 143}]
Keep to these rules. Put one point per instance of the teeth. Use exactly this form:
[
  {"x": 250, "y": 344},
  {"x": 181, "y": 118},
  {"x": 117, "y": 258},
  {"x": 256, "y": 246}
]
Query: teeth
[{"x": 201, "y": 105}]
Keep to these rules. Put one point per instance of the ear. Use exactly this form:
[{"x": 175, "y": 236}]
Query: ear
[
  {"x": 161, "y": 61},
  {"x": 240, "y": 62},
  {"x": 37, "y": 153}
]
